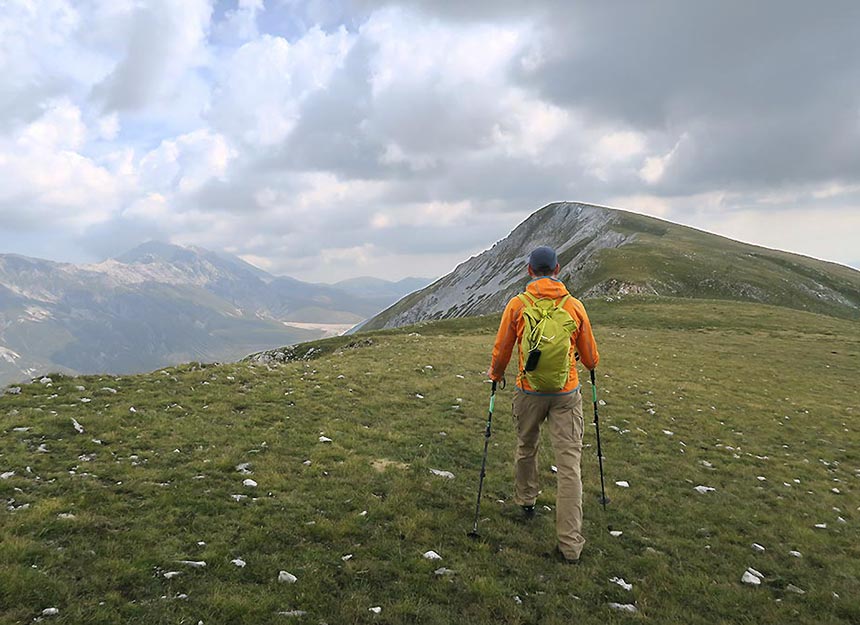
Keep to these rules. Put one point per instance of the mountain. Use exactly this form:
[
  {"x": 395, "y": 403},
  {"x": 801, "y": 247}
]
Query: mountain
[
  {"x": 162, "y": 304},
  {"x": 612, "y": 253},
  {"x": 376, "y": 287}
]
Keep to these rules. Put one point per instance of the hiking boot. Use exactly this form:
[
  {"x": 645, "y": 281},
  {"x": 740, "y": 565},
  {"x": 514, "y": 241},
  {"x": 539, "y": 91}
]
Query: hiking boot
[
  {"x": 559, "y": 556},
  {"x": 529, "y": 512}
]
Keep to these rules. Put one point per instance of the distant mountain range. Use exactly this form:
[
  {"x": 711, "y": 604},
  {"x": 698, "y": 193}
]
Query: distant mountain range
[
  {"x": 161, "y": 304},
  {"x": 612, "y": 253}
]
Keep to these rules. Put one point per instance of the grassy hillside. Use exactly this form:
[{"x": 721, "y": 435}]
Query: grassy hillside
[
  {"x": 676, "y": 260},
  {"x": 759, "y": 403}
]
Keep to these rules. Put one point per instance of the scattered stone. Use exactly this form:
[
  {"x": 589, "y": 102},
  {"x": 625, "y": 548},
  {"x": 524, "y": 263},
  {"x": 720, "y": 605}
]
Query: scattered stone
[
  {"x": 243, "y": 468},
  {"x": 194, "y": 564},
  {"x": 749, "y": 578},
  {"x": 821, "y": 526},
  {"x": 238, "y": 497},
  {"x": 249, "y": 483},
  {"x": 623, "y": 607},
  {"x": 553, "y": 468},
  {"x": 795, "y": 589},
  {"x": 172, "y": 574},
  {"x": 376, "y": 609},
  {"x": 761, "y": 478},
  {"x": 517, "y": 600},
  {"x": 441, "y": 473},
  {"x": 432, "y": 555},
  {"x": 419, "y": 395},
  {"x": 238, "y": 562},
  {"x": 324, "y": 439},
  {"x": 80, "y": 388},
  {"x": 110, "y": 390},
  {"x": 287, "y": 578},
  {"x": 668, "y": 433},
  {"x": 707, "y": 464},
  {"x": 795, "y": 554},
  {"x": 78, "y": 427},
  {"x": 132, "y": 409},
  {"x": 307, "y": 463},
  {"x": 42, "y": 449},
  {"x": 50, "y": 611},
  {"x": 292, "y": 613},
  {"x": 757, "y": 547},
  {"x": 615, "y": 533},
  {"x": 45, "y": 380},
  {"x": 443, "y": 571},
  {"x": 6, "y": 475},
  {"x": 620, "y": 581},
  {"x": 623, "y": 484},
  {"x": 66, "y": 516},
  {"x": 14, "y": 390},
  {"x": 346, "y": 557},
  {"x": 85, "y": 400},
  {"x": 704, "y": 489}
]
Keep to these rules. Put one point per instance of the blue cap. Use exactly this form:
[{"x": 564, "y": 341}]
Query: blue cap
[{"x": 543, "y": 258}]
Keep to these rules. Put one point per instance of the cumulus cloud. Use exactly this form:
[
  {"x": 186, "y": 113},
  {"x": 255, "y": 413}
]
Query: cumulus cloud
[{"x": 330, "y": 139}]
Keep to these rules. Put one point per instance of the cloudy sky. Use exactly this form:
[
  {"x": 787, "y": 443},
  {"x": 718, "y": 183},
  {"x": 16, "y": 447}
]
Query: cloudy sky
[{"x": 330, "y": 139}]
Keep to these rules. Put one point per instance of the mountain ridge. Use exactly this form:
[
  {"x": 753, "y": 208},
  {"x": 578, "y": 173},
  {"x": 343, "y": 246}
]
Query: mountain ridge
[{"x": 610, "y": 252}]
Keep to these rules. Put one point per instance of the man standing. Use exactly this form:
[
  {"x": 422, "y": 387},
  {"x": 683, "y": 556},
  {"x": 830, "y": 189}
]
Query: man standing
[{"x": 549, "y": 327}]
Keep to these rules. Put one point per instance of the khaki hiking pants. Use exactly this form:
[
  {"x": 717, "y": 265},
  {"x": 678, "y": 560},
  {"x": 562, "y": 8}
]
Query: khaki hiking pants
[{"x": 563, "y": 413}]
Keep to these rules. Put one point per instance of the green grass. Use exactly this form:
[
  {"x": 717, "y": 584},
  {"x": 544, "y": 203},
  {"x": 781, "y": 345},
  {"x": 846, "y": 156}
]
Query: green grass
[{"x": 752, "y": 390}]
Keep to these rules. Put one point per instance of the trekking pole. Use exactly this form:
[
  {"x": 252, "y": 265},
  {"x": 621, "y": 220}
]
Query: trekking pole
[
  {"x": 474, "y": 532},
  {"x": 603, "y": 499}
]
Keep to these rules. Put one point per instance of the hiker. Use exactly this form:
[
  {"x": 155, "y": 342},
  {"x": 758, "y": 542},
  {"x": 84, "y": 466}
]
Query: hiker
[{"x": 548, "y": 390}]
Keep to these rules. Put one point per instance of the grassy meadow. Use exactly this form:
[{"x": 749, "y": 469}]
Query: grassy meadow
[{"x": 759, "y": 403}]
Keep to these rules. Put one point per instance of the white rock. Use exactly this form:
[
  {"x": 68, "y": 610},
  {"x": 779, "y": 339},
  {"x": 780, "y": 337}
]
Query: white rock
[
  {"x": 307, "y": 463},
  {"x": 78, "y": 427},
  {"x": 287, "y": 578},
  {"x": 85, "y": 400},
  {"x": 172, "y": 574},
  {"x": 795, "y": 554},
  {"x": 66, "y": 516},
  {"x": 821, "y": 526},
  {"x": 441, "y": 473},
  {"x": 80, "y": 388},
  {"x": 443, "y": 571},
  {"x": 756, "y": 573},
  {"x": 6, "y": 475},
  {"x": 362, "y": 513},
  {"x": 243, "y": 468},
  {"x": 517, "y": 600},
  {"x": 749, "y": 578},
  {"x": 432, "y": 555},
  {"x": 346, "y": 557},
  {"x": 239, "y": 497},
  {"x": 757, "y": 547},
  {"x": 620, "y": 581},
  {"x": 42, "y": 449},
  {"x": 668, "y": 433},
  {"x": 623, "y": 607},
  {"x": 249, "y": 483},
  {"x": 834, "y": 490},
  {"x": 324, "y": 439},
  {"x": 841, "y": 520},
  {"x": 419, "y": 395},
  {"x": 194, "y": 564},
  {"x": 238, "y": 562},
  {"x": 110, "y": 390},
  {"x": 707, "y": 464},
  {"x": 553, "y": 468},
  {"x": 704, "y": 489},
  {"x": 132, "y": 409},
  {"x": 615, "y": 533},
  {"x": 292, "y": 613},
  {"x": 761, "y": 478},
  {"x": 623, "y": 484},
  {"x": 45, "y": 380},
  {"x": 50, "y": 611},
  {"x": 795, "y": 589},
  {"x": 375, "y": 609}
]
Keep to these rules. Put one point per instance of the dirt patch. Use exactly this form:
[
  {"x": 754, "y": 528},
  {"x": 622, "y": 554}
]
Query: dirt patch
[{"x": 383, "y": 463}]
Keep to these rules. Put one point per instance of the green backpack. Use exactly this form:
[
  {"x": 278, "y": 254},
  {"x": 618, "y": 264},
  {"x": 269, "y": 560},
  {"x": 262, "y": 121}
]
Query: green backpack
[{"x": 546, "y": 342}]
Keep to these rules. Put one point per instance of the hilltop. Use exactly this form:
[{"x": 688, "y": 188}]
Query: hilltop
[
  {"x": 612, "y": 253},
  {"x": 756, "y": 402}
]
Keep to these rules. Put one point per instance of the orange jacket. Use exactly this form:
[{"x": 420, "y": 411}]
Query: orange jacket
[{"x": 511, "y": 331}]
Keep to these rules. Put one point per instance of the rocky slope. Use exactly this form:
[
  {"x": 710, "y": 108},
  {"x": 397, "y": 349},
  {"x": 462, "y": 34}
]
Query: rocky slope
[{"x": 612, "y": 253}]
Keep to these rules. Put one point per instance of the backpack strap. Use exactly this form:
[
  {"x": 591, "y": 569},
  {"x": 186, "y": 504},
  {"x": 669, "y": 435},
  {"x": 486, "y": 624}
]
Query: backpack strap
[
  {"x": 525, "y": 299},
  {"x": 562, "y": 301}
]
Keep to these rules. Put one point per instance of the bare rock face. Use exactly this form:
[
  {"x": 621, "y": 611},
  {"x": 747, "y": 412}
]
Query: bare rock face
[{"x": 484, "y": 283}]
